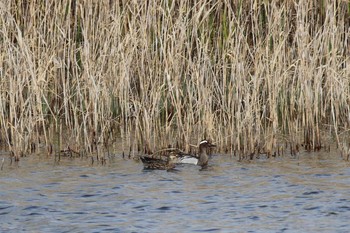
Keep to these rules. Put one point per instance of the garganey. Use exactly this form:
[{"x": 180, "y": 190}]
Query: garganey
[
  {"x": 201, "y": 159},
  {"x": 168, "y": 158}
]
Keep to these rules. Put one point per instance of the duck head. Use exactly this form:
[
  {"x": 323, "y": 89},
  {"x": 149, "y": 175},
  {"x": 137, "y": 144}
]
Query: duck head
[{"x": 204, "y": 145}]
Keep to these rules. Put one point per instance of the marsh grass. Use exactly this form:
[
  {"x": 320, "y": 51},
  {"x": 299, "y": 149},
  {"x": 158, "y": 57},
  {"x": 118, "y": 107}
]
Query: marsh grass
[{"x": 255, "y": 76}]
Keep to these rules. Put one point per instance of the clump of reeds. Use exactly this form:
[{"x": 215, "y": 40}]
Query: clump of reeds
[{"x": 248, "y": 74}]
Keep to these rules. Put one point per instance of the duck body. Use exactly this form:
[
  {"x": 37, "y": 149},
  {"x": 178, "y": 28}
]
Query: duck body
[
  {"x": 201, "y": 159},
  {"x": 187, "y": 159},
  {"x": 176, "y": 156},
  {"x": 157, "y": 163}
]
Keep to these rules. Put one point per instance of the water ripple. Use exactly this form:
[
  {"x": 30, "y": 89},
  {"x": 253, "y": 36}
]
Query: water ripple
[{"x": 268, "y": 196}]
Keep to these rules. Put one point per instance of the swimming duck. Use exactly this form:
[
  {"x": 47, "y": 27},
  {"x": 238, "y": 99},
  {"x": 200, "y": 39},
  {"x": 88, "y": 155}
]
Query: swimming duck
[
  {"x": 158, "y": 163},
  {"x": 201, "y": 159},
  {"x": 168, "y": 158}
]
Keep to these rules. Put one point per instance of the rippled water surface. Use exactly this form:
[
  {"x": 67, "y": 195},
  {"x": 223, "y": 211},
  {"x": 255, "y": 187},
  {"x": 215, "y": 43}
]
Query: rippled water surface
[{"x": 310, "y": 193}]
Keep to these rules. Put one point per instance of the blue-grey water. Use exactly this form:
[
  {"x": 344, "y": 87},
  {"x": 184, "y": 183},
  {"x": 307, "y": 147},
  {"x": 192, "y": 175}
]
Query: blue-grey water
[{"x": 310, "y": 193}]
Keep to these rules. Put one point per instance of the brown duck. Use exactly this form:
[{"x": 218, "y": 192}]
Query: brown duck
[
  {"x": 201, "y": 159},
  {"x": 158, "y": 163}
]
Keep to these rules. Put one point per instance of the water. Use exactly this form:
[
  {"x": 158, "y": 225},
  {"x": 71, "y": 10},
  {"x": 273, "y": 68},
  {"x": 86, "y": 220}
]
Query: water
[{"x": 305, "y": 194}]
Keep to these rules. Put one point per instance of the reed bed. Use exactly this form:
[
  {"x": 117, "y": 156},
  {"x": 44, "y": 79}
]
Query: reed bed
[{"x": 254, "y": 76}]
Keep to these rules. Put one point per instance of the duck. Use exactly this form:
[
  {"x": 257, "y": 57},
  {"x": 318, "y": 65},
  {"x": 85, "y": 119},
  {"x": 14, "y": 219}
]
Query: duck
[
  {"x": 160, "y": 163},
  {"x": 201, "y": 159},
  {"x": 168, "y": 158}
]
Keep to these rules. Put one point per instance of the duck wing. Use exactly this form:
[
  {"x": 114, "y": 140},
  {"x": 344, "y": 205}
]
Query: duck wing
[
  {"x": 147, "y": 160},
  {"x": 155, "y": 163}
]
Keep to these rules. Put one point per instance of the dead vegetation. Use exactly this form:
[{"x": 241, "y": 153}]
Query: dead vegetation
[{"x": 256, "y": 76}]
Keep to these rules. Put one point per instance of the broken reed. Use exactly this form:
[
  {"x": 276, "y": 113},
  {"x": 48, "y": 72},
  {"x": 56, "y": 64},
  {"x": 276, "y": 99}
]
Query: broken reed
[{"x": 244, "y": 73}]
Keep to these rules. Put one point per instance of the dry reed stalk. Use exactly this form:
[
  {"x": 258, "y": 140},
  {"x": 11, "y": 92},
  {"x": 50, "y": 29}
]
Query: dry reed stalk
[{"x": 2, "y": 164}]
